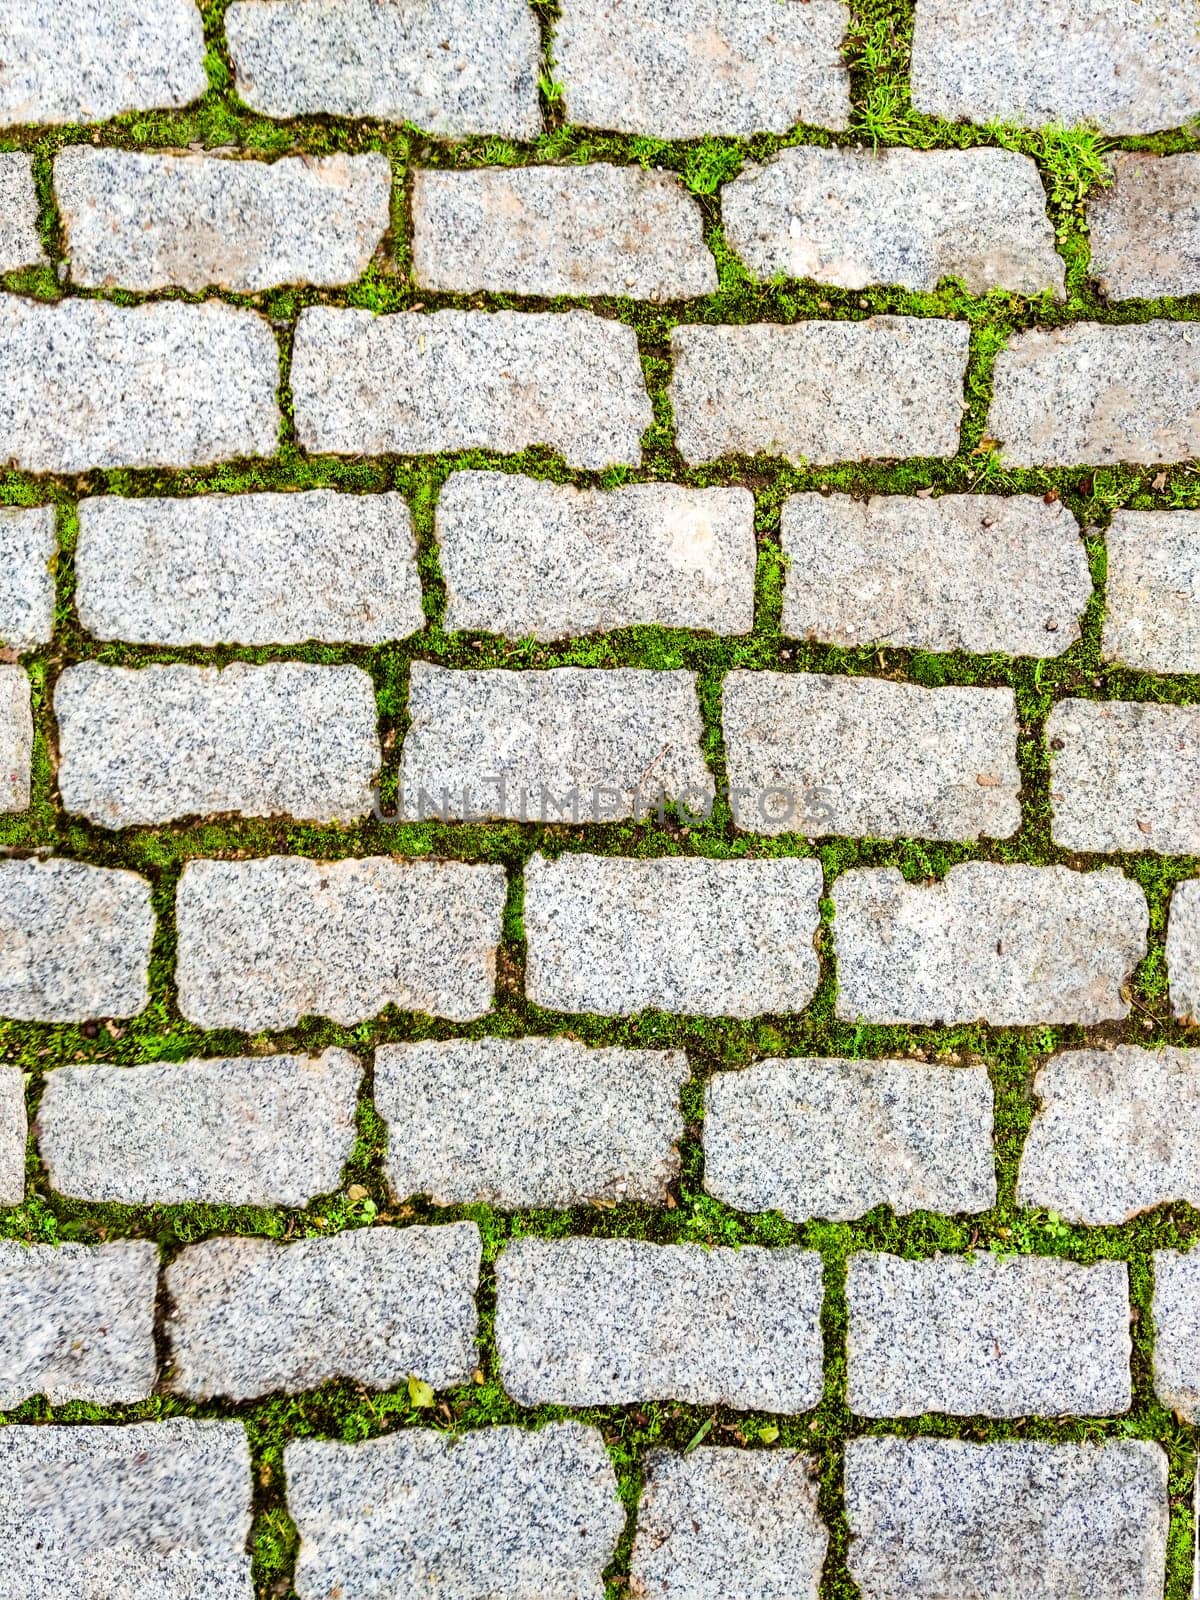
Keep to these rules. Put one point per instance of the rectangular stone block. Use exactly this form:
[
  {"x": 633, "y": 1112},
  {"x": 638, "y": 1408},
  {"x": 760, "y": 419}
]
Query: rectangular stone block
[
  {"x": 453, "y": 67},
  {"x": 240, "y": 1131},
  {"x": 584, "y": 1322},
  {"x": 20, "y": 242},
  {"x": 1119, "y": 65},
  {"x": 573, "y": 743},
  {"x": 157, "y": 1509},
  {"x": 1125, "y": 775},
  {"x": 576, "y": 230},
  {"x": 711, "y": 1519},
  {"x": 142, "y": 746},
  {"x": 529, "y": 1122},
  {"x": 16, "y": 739},
  {"x": 78, "y": 1321},
  {"x": 419, "y": 383},
  {"x": 982, "y": 1336},
  {"x": 681, "y": 69},
  {"x": 14, "y": 1130},
  {"x": 251, "y": 569},
  {"x": 857, "y": 217},
  {"x": 502, "y": 1512},
  {"x": 1010, "y": 945},
  {"x": 89, "y": 384},
  {"x": 74, "y": 941},
  {"x": 28, "y": 557},
  {"x": 820, "y": 391},
  {"x": 1183, "y": 949},
  {"x": 1152, "y": 601},
  {"x": 150, "y": 221},
  {"x": 813, "y": 1137},
  {"x": 1116, "y": 1133},
  {"x": 89, "y": 60},
  {"x": 937, "y": 1517},
  {"x": 709, "y": 938},
  {"x": 817, "y": 754},
  {"x": 264, "y": 943},
  {"x": 376, "y": 1305},
  {"x": 1097, "y": 396},
  {"x": 1145, "y": 229},
  {"x": 522, "y": 557},
  {"x": 1176, "y": 1312},
  {"x": 983, "y": 573}
]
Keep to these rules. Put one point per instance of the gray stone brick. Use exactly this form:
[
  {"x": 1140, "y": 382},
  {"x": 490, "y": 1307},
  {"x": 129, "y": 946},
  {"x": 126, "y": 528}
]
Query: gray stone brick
[
  {"x": 1145, "y": 230},
  {"x": 156, "y": 1509},
  {"x": 377, "y": 1305},
  {"x": 576, "y": 230},
  {"x": 529, "y": 1122},
  {"x": 500, "y": 1512},
  {"x": 819, "y": 754},
  {"x": 150, "y": 220},
  {"x": 248, "y": 1131},
  {"x": 814, "y": 1137},
  {"x": 14, "y": 1130},
  {"x": 820, "y": 391},
  {"x": 1125, "y": 775},
  {"x": 858, "y": 217},
  {"x": 1098, "y": 396},
  {"x": 717, "y": 1523},
  {"x": 91, "y": 384},
  {"x": 28, "y": 555},
  {"x": 418, "y": 383},
  {"x": 1010, "y": 945},
  {"x": 1176, "y": 1313},
  {"x": 1120, "y": 65},
  {"x": 1152, "y": 604},
  {"x": 20, "y": 242},
  {"x": 711, "y": 938},
  {"x": 585, "y": 1322},
  {"x": 74, "y": 941},
  {"x": 987, "y": 1337},
  {"x": 1116, "y": 1133},
  {"x": 983, "y": 573},
  {"x": 523, "y": 557},
  {"x": 249, "y": 569},
  {"x": 147, "y": 745},
  {"x": 681, "y": 69},
  {"x": 16, "y": 739},
  {"x": 89, "y": 60},
  {"x": 574, "y": 742},
  {"x": 78, "y": 1321},
  {"x": 937, "y": 1517},
  {"x": 1183, "y": 949},
  {"x": 454, "y": 67},
  {"x": 264, "y": 943}
]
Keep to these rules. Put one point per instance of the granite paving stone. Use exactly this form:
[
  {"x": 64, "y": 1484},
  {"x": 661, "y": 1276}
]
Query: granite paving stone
[
  {"x": 145, "y": 221},
  {"x": 376, "y": 1305},
  {"x": 28, "y": 554},
  {"x": 14, "y": 1131},
  {"x": 418, "y": 383},
  {"x": 16, "y": 739},
  {"x": 147, "y": 745},
  {"x": 264, "y": 943},
  {"x": 981, "y": 573},
  {"x": 529, "y": 1122},
  {"x": 1012, "y": 945},
  {"x": 522, "y": 557},
  {"x": 1152, "y": 600},
  {"x": 709, "y": 938},
  {"x": 250, "y": 569},
  {"x": 78, "y": 1321},
  {"x": 591, "y": 1321},
  {"x": 501, "y": 1511},
  {"x": 818, "y": 1137},
  {"x": 245, "y": 1131},
  {"x": 20, "y": 242},
  {"x": 575, "y": 230},
  {"x": 820, "y": 391},
  {"x": 1176, "y": 1312},
  {"x": 1145, "y": 229},
  {"x": 1183, "y": 949}
]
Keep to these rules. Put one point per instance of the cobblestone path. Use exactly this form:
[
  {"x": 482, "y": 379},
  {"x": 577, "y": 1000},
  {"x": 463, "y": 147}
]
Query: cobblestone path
[{"x": 599, "y": 799}]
